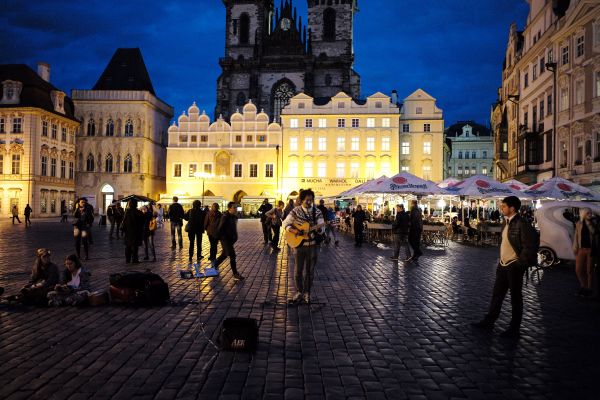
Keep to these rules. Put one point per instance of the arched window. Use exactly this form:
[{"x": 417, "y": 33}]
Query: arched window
[
  {"x": 329, "y": 24},
  {"x": 244, "y": 29},
  {"x": 241, "y": 99},
  {"x": 90, "y": 163},
  {"x": 128, "y": 163},
  {"x": 129, "y": 128},
  {"x": 108, "y": 165},
  {"x": 91, "y": 127},
  {"x": 282, "y": 93},
  {"x": 110, "y": 128}
]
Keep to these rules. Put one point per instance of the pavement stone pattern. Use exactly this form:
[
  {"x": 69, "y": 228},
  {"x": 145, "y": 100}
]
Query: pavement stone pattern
[{"x": 384, "y": 330}]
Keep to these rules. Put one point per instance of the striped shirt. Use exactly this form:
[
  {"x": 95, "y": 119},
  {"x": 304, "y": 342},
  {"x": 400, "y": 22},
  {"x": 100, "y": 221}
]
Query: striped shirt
[{"x": 300, "y": 215}]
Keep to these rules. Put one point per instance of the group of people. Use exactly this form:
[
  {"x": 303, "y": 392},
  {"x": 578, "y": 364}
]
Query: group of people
[
  {"x": 49, "y": 287},
  {"x": 14, "y": 211}
]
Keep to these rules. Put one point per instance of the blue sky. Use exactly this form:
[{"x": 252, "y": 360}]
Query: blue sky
[{"x": 453, "y": 49}]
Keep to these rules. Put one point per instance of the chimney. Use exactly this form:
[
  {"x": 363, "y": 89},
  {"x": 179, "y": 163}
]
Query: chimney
[
  {"x": 44, "y": 70},
  {"x": 394, "y": 97}
]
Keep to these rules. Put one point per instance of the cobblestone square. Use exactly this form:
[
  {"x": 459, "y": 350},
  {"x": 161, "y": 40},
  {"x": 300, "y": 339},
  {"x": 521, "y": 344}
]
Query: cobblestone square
[{"x": 383, "y": 330}]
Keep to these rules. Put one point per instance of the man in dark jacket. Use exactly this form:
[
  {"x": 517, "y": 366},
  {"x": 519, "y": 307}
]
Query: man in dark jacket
[
  {"x": 400, "y": 232},
  {"x": 133, "y": 228},
  {"x": 264, "y": 221},
  {"x": 414, "y": 231},
  {"x": 195, "y": 217},
  {"x": 27, "y": 214},
  {"x": 118, "y": 214},
  {"x": 518, "y": 251},
  {"x": 359, "y": 225},
  {"x": 176, "y": 215},
  {"x": 228, "y": 235}
]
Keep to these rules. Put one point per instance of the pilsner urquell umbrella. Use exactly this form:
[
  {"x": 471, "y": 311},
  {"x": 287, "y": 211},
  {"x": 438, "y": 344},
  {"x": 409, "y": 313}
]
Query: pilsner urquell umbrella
[
  {"x": 483, "y": 187},
  {"x": 515, "y": 184},
  {"x": 448, "y": 182},
  {"x": 404, "y": 184},
  {"x": 370, "y": 186},
  {"x": 561, "y": 189}
]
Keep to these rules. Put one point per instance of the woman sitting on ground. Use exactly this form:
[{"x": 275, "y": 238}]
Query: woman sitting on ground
[
  {"x": 74, "y": 287},
  {"x": 43, "y": 278}
]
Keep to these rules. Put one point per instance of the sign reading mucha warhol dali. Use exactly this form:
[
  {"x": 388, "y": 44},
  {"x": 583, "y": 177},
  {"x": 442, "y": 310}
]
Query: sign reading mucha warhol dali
[{"x": 338, "y": 182}]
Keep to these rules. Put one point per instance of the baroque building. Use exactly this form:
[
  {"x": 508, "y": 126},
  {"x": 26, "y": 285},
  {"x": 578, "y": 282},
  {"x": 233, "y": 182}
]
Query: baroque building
[
  {"x": 546, "y": 121},
  {"x": 224, "y": 161},
  {"x": 270, "y": 55},
  {"x": 121, "y": 146},
  {"x": 422, "y": 145},
  {"x": 37, "y": 142},
  {"x": 333, "y": 145},
  {"x": 472, "y": 150}
]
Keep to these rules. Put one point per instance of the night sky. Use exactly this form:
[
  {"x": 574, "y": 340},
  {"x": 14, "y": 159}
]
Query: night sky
[{"x": 453, "y": 49}]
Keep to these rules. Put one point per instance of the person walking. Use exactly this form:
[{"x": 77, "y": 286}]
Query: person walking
[
  {"x": 306, "y": 255},
  {"x": 133, "y": 231},
  {"x": 63, "y": 212},
  {"x": 195, "y": 228},
  {"x": 360, "y": 217},
  {"x": 400, "y": 232},
  {"x": 211, "y": 226},
  {"x": 176, "y": 215},
  {"x": 586, "y": 247},
  {"x": 110, "y": 215},
  {"x": 27, "y": 212},
  {"x": 84, "y": 218},
  {"x": 264, "y": 221},
  {"x": 149, "y": 230},
  {"x": 330, "y": 219},
  {"x": 415, "y": 229},
  {"x": 228, "y": 235},
  {"x": 15, "y": 214},
  {"x": 160, "y": 216},
  {"x": 275, "y": 215},
  {"x": 518, "y": 251}
]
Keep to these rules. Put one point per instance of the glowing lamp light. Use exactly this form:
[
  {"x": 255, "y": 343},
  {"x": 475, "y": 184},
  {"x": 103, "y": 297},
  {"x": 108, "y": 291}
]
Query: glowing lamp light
[
  {"x": 441, "y": 203},
  {"x": 538, "y": 204}
]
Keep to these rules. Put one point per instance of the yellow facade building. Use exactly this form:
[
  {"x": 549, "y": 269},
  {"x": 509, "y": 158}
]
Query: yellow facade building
[
  {"x": 37, "y": 143},
  {"x": 221, "y": 161},
  {"x": 335, "y": 146}
]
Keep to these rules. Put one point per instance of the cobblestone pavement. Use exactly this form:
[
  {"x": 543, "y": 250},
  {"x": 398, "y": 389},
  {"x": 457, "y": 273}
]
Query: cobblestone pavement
[{"x": 384, "y": 330}]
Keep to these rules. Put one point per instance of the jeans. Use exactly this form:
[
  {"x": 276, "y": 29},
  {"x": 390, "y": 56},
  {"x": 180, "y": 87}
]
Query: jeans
[
  {"x": 176, "y": 226},
  {"x": 112, "y": 227},
  {"x": 193, "y": 236},
  {"x": 306, "y": 260},
  {"x": 227, "y": 251},
  {"x": 82, "y": 236},
  {"x": 214, "y": 242},
  {"x": 27, "y": 220},
  {"x": 401, "y": 240},
  {"x": 275, "y": 236},
  {"x": 17, "y": 217},
  {"x": 508, "y": 277},
  {"x": 358, "y": 235},
  {"x": 267, "y": 232},
  {"x": 149, "y": 243},
  {"x": 414, "y": 238}
]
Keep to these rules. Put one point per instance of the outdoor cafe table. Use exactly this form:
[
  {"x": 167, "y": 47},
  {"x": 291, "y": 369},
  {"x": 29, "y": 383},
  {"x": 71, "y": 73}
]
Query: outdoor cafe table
[
  {"x": 489, "y": 233},
  {"x": 434, "y": 234},
  {"x": 377, "y": 231}
]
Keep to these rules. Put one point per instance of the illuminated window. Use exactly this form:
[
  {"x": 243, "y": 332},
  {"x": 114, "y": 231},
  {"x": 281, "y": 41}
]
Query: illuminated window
[
  {"x": 385, "y": 122},
  {"x": 340, "y": 170},
  {"x": 354, "y": 169},
  {"x": 322, "y": 144},
  {"x": 322, "y": 169},
  {"x": 385, "y": 168},
  {"x": 370, "y": 144},
  {"x": 293, "y": 123},
  {"x": 370, "y": 122},
  {"x": 341, "y": 144},
  {"x": 293, "y": 169},
  {"x": 404, "y": 168},
  {"x": 405, "y": 148},
  {"x": 427, "y": 172},
  {"x": 322, "y": 123},
  {"x": 370, "y": 169},
  {"x": 192, "y": 170},
  {"x": 207, "y": 168},
  {"x": 355, "y": 144},
  {"x": 385, "y": 144},
  {"x": 293, "y": 144},
  {"x": 308, "y": 144},
  {"x": 16, "y": 164}
]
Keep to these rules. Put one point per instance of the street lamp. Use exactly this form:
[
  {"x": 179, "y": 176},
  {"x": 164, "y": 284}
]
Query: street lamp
[
  {"x": 203, "y": 176},
  {"x": 553, "y": 67}
]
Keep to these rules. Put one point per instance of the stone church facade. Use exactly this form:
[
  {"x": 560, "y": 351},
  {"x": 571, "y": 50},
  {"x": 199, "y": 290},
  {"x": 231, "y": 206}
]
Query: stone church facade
[{"x": 270, "y": 56}]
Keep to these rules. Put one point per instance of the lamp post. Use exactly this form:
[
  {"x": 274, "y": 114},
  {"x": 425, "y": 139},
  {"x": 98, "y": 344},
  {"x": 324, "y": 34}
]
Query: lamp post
[
  {"x": 552, "y": 66},
  {"x": 514, "y": 98},
  {"x": 203, "y": 176}
]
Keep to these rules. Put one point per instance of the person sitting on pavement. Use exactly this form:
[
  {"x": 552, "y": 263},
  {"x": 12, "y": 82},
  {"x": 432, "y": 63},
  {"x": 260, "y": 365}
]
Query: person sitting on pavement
[
  {"x": 74, "y": 288},
  {"x": 44, "y": 276}
]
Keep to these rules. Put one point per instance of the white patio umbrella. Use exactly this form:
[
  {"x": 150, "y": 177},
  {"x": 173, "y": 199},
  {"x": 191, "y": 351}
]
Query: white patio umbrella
[
  {"x": 404, "y": 184},
  {"x": 482, "y": 187},
  {"x": 448, "y": 182},
  {"x": 561, "y": 189},
  {"x": 370, "y": 186},
  {"x": 515, "y": 184}
]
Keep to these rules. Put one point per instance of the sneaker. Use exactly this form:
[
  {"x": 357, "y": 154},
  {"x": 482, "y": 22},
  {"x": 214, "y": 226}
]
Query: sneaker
[
  {"x": 238, "y": 277},
  {"x": 298, "y": 296},
  {"x": 307, "y": 298}
]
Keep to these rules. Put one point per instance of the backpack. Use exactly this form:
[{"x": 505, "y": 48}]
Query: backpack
[{"x": 139, "y": 288}]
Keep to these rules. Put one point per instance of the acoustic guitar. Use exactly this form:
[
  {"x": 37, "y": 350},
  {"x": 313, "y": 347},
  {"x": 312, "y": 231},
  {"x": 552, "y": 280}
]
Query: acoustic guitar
[{"x": 305, "y": 233}]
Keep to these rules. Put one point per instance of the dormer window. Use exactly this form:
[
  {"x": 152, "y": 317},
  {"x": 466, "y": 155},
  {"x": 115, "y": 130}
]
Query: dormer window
[
  {"x": 58, "y": 100},
  {"x": 11, "y": 93}
]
